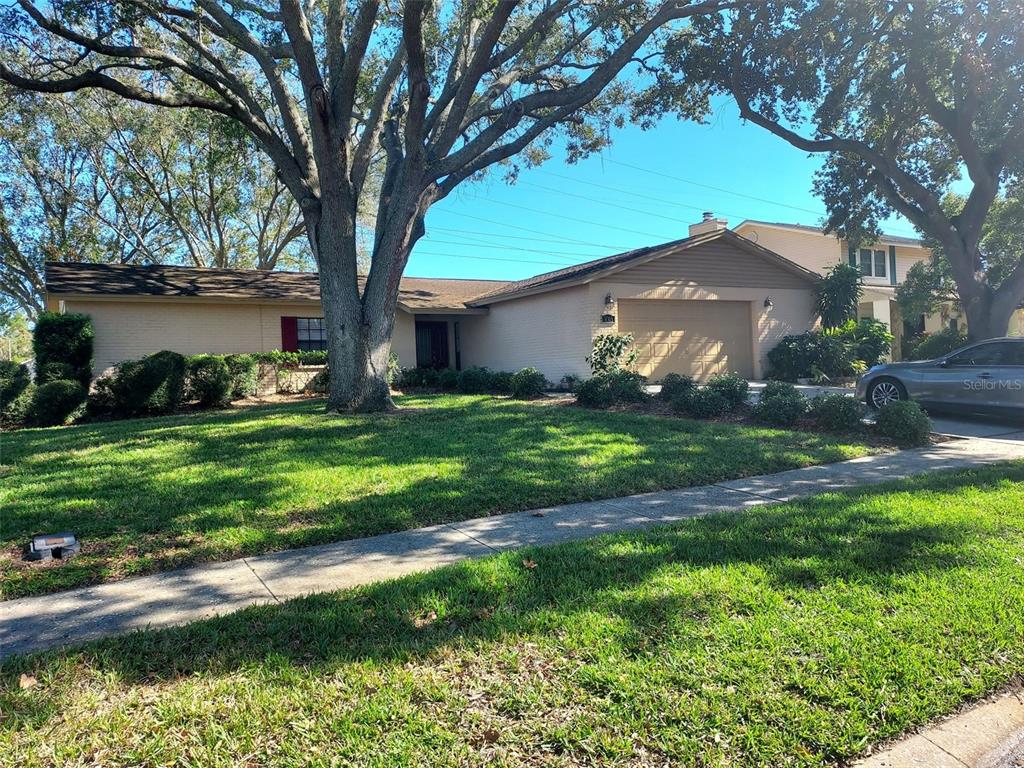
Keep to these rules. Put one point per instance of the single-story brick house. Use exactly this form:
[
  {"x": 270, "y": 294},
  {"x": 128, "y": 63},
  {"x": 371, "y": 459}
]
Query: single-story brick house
[{"x": 713, "y": 302}]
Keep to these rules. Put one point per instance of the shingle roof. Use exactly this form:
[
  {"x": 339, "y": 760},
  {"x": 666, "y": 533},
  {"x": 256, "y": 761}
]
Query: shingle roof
[
  {"x": 894, "y": 239},
  {"x": 579, "y": 272},
  {"x": 415, "y": 293}
]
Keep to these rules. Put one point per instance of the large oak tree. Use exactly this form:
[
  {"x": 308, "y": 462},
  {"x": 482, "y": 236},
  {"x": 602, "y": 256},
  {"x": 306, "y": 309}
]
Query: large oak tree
[
  {"x": 905, "y": 98},
  {"x": 436, "y": 91}
]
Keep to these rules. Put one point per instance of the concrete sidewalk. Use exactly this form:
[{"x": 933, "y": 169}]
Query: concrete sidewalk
[
  {"x": 988, "y": 735},
  {"x": 178, "y": 597}
]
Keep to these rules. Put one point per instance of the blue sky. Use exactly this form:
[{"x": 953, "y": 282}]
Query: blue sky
[{"x": 644, "y": 190}]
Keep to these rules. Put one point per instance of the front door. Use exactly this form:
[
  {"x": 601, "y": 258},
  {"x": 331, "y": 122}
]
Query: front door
[{"x": 431, "y": 344}]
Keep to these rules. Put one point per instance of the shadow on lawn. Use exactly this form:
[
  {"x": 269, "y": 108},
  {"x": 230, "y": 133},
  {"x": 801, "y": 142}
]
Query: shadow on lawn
[
  {"x": 169, "y": 492},
  {"x": 784, "y": 553}
]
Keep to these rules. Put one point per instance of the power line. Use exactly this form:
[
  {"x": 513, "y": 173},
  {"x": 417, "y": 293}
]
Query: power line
[
  {"x": 718, "y": 189},
  {"x": 512, "y": 237},
  {"x": 553, "y": 254},
  {"x": 577, "y": 220},
  {"x": 525, "y": 229},
  {"x": 673, "y": 219},
  {"x": 489, "y": 258}
]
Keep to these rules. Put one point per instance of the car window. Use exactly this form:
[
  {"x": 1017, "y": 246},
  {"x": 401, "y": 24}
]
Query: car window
[{"x": 999, "y": 353}]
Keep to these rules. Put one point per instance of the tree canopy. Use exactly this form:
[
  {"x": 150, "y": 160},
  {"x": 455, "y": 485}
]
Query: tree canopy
[
  {"x": 904, "y": 100},
  {"x": 436, "y": 92}
]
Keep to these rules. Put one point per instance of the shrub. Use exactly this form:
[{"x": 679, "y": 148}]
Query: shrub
[
  {"x": 320, "y": 383},
  {"x": 313, "y": 357},
  {"x": 732, "y": 387},
  {"x": 473, "y": 380},
  {"x": 155, "y": 384},
  {"x": 796, "y": 357},
  {"x": 871, "y": 340},
  {"x": 244, "y": 372},
  {"x": 904, "y": 422},
  {"x": 14, "y": 379},
  {"x": 707, "y": 404},
  {"x": 446, "y": 379},
  {"x": 676, "y": 388},
  {"x": 933, "y": 345},
  {"x": 837, "y": 413},
  {"x": 528, "y": 384},
  {"x": 604, "y": 390},
  {"x": 569, "y": 382},
  {"x": 394, "y": 369},
  {"x": 501, "y": 382},
  {"x": 16, "y": 410},
  {"x": 426, "y": 378},
  {"x": 55, "y": 402},
  {"x": 612, "y": 352},
  {"x": 209, "y": 380},
  {"x": 780, "y": 404},
  {"x": 55, "y": 372},
  {"x": 64, "y": 339}
]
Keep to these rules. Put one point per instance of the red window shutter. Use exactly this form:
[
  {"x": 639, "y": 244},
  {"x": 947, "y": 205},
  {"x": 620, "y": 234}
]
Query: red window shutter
[{"x": 289, "y": 334}]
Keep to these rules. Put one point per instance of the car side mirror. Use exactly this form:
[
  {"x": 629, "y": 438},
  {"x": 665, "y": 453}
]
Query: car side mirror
[{"x": 943, "y": 364}]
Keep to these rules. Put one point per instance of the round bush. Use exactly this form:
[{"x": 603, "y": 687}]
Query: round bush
[
  {"x": 446, "y": 379},
  {"x": 244, "y": 371},
  {"x": 14, "y": 379},
  {"x": 474, "y": 380},
  {"x": 676, "y": 387},
  {"x": 732, "y": 387},
  {"x": 54, "y": 403},
  {"x": 932, "y": 345},
  {"x": 16, "y": 411},
  {"x": 838, "y": 413},
  {"x": 781, "y": 404},
  {"x": 209, "y": 380},
  {"x": 708, "y": 404},
  {"x": 603, "y": 390},
  {"x": 528, "y": 384},
  {"x": 155, "y": 384},
  {"x": 904, "y": 422},
  {"x": 501, "y": 382}
]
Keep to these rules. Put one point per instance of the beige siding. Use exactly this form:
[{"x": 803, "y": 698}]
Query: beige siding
[
  {"x": 403, "y": 339},
  {"x": 130, "y": 329},
  {"x": 816, "y": 252},
  {"x": 550, "y": 331},
  {"x": 715, "y": 263}
]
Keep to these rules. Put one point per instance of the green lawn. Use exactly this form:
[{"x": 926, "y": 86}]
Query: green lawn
[
  {"x": 153, "y": 494},
  {"x": 790, "y": 635}
]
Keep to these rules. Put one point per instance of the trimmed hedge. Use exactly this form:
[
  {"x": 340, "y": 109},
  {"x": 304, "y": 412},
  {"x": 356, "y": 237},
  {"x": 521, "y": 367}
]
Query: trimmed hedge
[
  {"x": 54, "y": 403},
  {"x": 618, "y": 387},
  {"x": 153, "y": 385},
  {"x": 904, "y": 422},
  {"x": 63, "y": 339},
  {"x": 838, "y": 413},
  {"x": 707, "y": 404},
  {"x": 14, "y": 379},
  {"x": 209, "y": 380},
  {"x": 732, "y": 387},
  {"x": 244, "y": 371},
  {"x": 528, "y": 384},
  {"x": 676, "y": 388},
  {"x": 781, "y": 405}
]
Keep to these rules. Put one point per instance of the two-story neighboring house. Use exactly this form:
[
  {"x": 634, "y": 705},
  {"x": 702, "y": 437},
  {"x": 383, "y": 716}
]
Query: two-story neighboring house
[{"x": 883, "y": 265}]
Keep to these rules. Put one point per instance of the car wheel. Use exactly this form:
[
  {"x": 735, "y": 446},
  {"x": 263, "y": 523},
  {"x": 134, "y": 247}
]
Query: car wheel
[{"x": 885, "y": 391}]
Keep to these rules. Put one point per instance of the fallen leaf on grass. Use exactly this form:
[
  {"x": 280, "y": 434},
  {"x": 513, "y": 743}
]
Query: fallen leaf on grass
[
  {"x": 26, "y": 681},
  {"x": 529, "y": 564},
  {"x": 426, "y": 620}
]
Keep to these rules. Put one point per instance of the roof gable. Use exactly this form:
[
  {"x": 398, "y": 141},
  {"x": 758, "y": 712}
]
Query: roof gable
[{"x": 612, "y": 265}]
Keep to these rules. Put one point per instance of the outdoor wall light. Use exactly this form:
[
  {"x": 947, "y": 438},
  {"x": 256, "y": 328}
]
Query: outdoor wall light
[
  {"x": 768, "y": 303},
  {"x": 608, "y": 300}
]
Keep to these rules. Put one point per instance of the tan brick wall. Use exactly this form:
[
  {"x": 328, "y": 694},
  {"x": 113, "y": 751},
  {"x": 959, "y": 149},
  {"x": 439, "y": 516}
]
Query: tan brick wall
[{"x": 130, "y": 329}]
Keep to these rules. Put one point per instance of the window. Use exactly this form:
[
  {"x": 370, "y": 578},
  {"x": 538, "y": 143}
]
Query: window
[
  {"x": 872, "y": 263},
  {"x": 311, "y": 334},
  {"x": 1000, "y": 353},
  {"x": 865, "y": 261},
  {"x": 879, "y": 263}
]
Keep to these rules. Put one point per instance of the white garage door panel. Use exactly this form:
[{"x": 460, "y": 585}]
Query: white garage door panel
[{"x": 696, "y": 338}]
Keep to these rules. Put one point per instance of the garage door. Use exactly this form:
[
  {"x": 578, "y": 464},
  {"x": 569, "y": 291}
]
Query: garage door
[{"x": 696, "y": 338}]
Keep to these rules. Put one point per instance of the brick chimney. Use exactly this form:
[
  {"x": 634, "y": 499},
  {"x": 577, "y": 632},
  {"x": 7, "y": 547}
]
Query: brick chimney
[{"x": 708, "y": 224}]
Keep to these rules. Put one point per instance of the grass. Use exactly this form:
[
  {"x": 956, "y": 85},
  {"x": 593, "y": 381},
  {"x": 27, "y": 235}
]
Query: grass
[
  {"x": 154, "y": 494},
  {"x": 791, "y": 635}
]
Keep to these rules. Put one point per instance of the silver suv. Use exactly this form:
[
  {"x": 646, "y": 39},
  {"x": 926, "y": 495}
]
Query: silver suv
[{"x": 983, "y": 377}]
